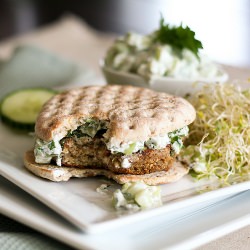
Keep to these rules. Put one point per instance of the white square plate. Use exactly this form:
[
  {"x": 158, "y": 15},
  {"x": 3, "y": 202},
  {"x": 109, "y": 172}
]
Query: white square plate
[
  {"x": 183, "y": 229},
  {"x": 77, "y": 200}
]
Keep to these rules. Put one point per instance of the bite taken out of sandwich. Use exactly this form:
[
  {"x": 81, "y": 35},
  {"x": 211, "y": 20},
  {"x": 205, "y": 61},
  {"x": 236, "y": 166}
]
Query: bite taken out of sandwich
[{"x": 122, "y": 132}]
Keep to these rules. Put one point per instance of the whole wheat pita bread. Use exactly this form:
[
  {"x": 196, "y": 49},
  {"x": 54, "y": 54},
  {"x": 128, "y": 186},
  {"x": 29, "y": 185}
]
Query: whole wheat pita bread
[{"x": 132, "y": 113}]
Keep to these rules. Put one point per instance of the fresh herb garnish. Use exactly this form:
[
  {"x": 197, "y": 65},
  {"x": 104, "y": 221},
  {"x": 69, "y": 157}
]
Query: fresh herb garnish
[
  {"x": 178, "y": 37},
  {"x": 78, "y": 133},
  {"x": 90, "y": 128},
  {"x": 51, "y": 145}
]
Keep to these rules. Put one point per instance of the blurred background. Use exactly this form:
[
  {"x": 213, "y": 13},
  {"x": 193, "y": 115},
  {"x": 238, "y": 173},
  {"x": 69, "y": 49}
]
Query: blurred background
[{"x": 223, "y": 26}]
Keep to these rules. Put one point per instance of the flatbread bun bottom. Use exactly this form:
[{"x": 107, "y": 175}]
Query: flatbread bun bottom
[{"x": 56, "y": 173}]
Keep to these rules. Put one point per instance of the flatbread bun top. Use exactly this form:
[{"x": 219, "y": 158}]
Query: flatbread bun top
[{"x": 132, "y": 113}]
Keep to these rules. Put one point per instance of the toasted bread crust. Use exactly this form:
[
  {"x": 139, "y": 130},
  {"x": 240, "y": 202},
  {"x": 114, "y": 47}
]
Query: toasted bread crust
[
  {"x": 132, "y": 113},
  {"x": 55, "y": 173}
]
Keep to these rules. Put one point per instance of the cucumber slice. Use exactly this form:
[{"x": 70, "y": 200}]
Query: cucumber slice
[{"x": 20, "y": 108}]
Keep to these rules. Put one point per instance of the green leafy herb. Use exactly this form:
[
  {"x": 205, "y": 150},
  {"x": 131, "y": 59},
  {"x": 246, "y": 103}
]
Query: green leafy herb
[
  {"x": 76, "y": 133},
  {"x": 90, "y": 128},
  {"x": 51, "y": 145},
  {"x": 178, "y": 37}
]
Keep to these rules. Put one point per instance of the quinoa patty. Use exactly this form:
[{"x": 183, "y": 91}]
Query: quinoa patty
[{"x": 86, "y": 152}]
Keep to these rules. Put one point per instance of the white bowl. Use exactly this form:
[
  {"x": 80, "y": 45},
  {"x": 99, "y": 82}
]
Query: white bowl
[{"x": 170, "y": 85}]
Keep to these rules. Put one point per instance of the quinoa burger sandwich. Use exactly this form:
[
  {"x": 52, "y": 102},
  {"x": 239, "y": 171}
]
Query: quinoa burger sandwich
[{"x": 122, "y": 132}]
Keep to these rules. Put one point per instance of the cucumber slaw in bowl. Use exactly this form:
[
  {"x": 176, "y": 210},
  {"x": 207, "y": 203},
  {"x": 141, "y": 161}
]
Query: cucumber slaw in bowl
[{"x": 167, "y": 59}]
